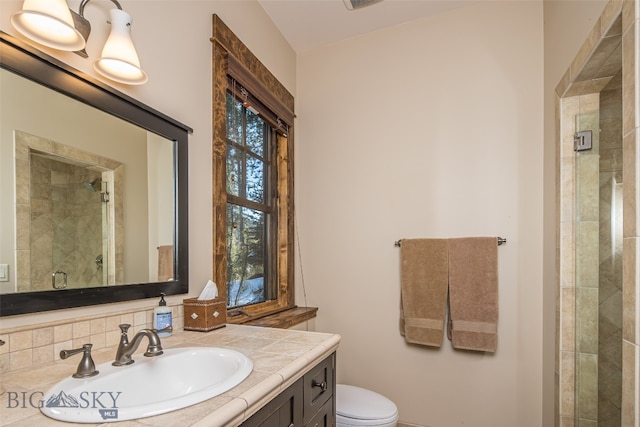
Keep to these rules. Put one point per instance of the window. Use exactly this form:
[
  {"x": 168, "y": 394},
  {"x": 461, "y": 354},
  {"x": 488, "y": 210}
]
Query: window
[
  {"x": 250, "y": 221},
  {"x": 252, "y": 181}
]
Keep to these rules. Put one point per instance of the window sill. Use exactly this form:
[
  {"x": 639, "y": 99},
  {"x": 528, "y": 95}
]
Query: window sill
[{"x": 283, "y": 319}]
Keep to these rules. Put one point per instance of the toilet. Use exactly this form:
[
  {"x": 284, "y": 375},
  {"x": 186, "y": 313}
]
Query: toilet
[{"x": 357, "y": 406}]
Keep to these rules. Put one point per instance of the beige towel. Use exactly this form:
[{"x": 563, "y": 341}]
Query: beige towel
[
  {"x": 473, "y": 293},
  {"x": 424, "y": 290},
  {"x": 165, "y": 263}
]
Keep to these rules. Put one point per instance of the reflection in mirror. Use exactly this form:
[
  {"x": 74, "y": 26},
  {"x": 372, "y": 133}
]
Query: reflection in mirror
[
  {"x": 59, "y": 233},
  {"x": 94, "y": 190},
  {"x": 66, "y": 217}
]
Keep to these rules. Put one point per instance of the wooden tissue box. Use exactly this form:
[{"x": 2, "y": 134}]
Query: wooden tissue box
[{"x": 204, "y": 315}]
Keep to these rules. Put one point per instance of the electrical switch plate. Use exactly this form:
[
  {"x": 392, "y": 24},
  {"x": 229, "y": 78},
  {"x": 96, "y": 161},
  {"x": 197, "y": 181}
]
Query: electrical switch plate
[{"x": 4, "y": 272}]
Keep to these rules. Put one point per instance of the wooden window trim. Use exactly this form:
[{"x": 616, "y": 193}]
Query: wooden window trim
[
  {"x": 231, "y": 57},
  {"x": 284, "y": 319}
]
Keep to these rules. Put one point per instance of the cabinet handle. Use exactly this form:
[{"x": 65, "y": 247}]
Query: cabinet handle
[
  {"x": 292, "y": 425},
  {"x": 322, "y": 385}
]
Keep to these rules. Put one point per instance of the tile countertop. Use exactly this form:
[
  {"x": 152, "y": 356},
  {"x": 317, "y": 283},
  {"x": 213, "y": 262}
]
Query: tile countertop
[{"x": 280, "y": 357}]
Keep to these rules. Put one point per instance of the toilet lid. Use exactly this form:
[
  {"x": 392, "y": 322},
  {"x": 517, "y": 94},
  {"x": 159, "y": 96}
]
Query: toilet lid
[{"x": 359, "y": 403}]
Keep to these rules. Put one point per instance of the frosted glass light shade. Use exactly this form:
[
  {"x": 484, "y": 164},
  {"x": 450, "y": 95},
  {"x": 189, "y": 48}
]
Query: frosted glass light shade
[
  {"x": 119, "y": 60},
  {"x": 48, "y": 22}
]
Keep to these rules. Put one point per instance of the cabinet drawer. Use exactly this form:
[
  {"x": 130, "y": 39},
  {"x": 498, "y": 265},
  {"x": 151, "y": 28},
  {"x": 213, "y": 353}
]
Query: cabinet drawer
[{"x": 319, "y": 387}]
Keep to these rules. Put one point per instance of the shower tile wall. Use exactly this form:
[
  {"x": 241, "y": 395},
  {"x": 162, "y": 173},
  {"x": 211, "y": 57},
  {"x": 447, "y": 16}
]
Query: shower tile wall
[
  {"x": 107, "y": 225},
  {"x": 587, "y": 244},
  {"x": 66, "y": 224},
  {"x": 610, "y": 277}
]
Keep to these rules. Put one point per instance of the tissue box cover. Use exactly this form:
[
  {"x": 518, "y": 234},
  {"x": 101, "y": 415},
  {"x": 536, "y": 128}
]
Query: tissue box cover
[{"x": 204, "y": 315}]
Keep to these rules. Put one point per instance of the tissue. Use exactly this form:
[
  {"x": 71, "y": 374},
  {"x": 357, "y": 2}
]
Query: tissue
[{"x": 210, "y": 291}]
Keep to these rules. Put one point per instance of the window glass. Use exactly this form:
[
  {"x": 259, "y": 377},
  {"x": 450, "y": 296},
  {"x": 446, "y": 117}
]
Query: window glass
[
  {"x": 248, "y": 209},
  {"x": 234, "y": 120},
  {"x": 246, "y": 256},
  {"x": 234, "y": 171},
  {"x": 255, "y": 179},
  {"x": 255, "y": 133}
]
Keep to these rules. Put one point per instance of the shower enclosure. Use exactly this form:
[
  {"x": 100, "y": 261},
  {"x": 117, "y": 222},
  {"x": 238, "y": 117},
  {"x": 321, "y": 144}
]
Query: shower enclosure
[
  {"x": 70, "y": 214},
  {"x": 598, "y": 256},
  {"x": 598, "y": 357}
]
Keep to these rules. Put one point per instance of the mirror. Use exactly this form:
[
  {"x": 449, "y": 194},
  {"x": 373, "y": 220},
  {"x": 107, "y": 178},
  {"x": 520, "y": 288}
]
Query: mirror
[{"x": 96, "y": 185}]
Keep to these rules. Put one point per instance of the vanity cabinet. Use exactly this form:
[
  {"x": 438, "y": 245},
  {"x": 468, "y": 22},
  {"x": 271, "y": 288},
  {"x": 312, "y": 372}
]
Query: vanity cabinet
[{"x": 310, "y": 401}]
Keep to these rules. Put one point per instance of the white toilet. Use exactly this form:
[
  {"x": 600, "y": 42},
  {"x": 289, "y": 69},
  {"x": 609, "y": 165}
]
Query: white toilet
[{"x": 357, "y": 406}]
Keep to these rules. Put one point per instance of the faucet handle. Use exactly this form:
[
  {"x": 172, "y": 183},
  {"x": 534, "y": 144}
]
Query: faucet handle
[
  {"x": 124, "y": 328},
  {"x": 86, "y": 367}
]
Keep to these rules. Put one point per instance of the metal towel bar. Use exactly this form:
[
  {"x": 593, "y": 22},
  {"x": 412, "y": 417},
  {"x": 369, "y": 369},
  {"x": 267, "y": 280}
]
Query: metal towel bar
[{"x": 501, "y": 241}]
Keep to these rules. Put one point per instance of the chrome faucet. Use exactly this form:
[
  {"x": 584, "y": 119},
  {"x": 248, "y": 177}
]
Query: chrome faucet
[{"x": 126, "y": 349}]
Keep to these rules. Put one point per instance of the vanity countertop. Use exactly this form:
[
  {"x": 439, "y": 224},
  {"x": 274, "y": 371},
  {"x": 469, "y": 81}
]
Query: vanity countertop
[{"x": 280, "y": 357}]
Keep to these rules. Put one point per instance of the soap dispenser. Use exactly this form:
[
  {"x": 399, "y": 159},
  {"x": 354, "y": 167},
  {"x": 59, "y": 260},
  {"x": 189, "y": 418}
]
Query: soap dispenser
[{"x": 162, "y": 317}]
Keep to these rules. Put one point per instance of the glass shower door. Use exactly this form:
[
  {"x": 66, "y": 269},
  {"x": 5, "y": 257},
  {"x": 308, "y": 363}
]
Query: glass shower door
[{"x": 598, "y": 258}]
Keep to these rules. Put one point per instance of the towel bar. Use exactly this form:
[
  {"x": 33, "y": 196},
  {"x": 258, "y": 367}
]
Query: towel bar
[{"x": 501, "y": 241}]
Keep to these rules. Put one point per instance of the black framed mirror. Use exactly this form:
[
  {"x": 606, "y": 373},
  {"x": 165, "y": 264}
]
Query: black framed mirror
[{"x": 23, "y": 61}]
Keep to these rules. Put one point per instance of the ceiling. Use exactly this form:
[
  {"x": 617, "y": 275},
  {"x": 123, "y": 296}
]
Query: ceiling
[{"x": 308, "y": 24}]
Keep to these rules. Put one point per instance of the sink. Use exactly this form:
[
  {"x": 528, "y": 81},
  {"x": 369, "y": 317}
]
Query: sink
[{"x": 152, "y": 385}]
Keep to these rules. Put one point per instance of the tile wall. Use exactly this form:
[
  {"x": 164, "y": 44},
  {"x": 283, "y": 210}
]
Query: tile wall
[
  {"x": 611, "y": 242},
  {"x": 66, "y": 225}
]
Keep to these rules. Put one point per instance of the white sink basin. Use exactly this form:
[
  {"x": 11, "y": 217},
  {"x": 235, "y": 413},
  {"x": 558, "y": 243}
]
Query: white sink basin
[{"x": 152, "y": 385}]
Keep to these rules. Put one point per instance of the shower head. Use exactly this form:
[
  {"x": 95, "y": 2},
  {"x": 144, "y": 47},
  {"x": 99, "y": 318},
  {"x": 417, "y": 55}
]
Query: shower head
[{"x": 93, "y": 185}]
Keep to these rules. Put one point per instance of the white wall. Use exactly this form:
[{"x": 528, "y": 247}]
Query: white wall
[
  {"x": 173, "y": 41},
  {"x": 428, "y": 129},
  {"x": 161, "y": 198}
]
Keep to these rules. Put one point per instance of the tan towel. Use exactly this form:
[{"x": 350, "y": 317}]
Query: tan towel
[
  {"x": 424, "y": 290},
  {"x": 473, "y": 293},
  {"x": 165, "y": 263}
]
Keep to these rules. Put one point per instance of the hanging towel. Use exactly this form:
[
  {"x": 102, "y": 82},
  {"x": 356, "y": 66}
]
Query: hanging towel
[
  {"x": 165, "y": 263},
  {"x": 423, "y": 290},
  {"x": 473, "y": 293}
]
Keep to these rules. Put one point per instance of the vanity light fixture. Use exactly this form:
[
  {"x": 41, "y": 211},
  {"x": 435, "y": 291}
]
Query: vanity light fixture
[
  {"x": 52, "y": 24},
  {"x": 119, "y": 60}
]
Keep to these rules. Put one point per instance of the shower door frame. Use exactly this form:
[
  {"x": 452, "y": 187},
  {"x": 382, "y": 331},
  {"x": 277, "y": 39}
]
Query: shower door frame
[{"x": 566, "y": 91}]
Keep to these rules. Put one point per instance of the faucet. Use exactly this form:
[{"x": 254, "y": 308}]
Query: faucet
[
  {"x": 86, "y": 367},
  {"x": 126, "y": 349}
]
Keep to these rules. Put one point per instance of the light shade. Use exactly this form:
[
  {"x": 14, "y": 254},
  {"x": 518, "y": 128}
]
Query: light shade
[
  {"x": 48, "y": 22},
  {"x": 119, "y": 60}
]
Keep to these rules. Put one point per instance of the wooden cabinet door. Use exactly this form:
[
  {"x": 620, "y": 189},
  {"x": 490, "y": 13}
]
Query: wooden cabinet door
[
  {"x": 310, "y": 401},
  {"x": 283, "y": 411},
  {"x": 324, "y": 417},
  {"x": 319, "y": 387}
]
